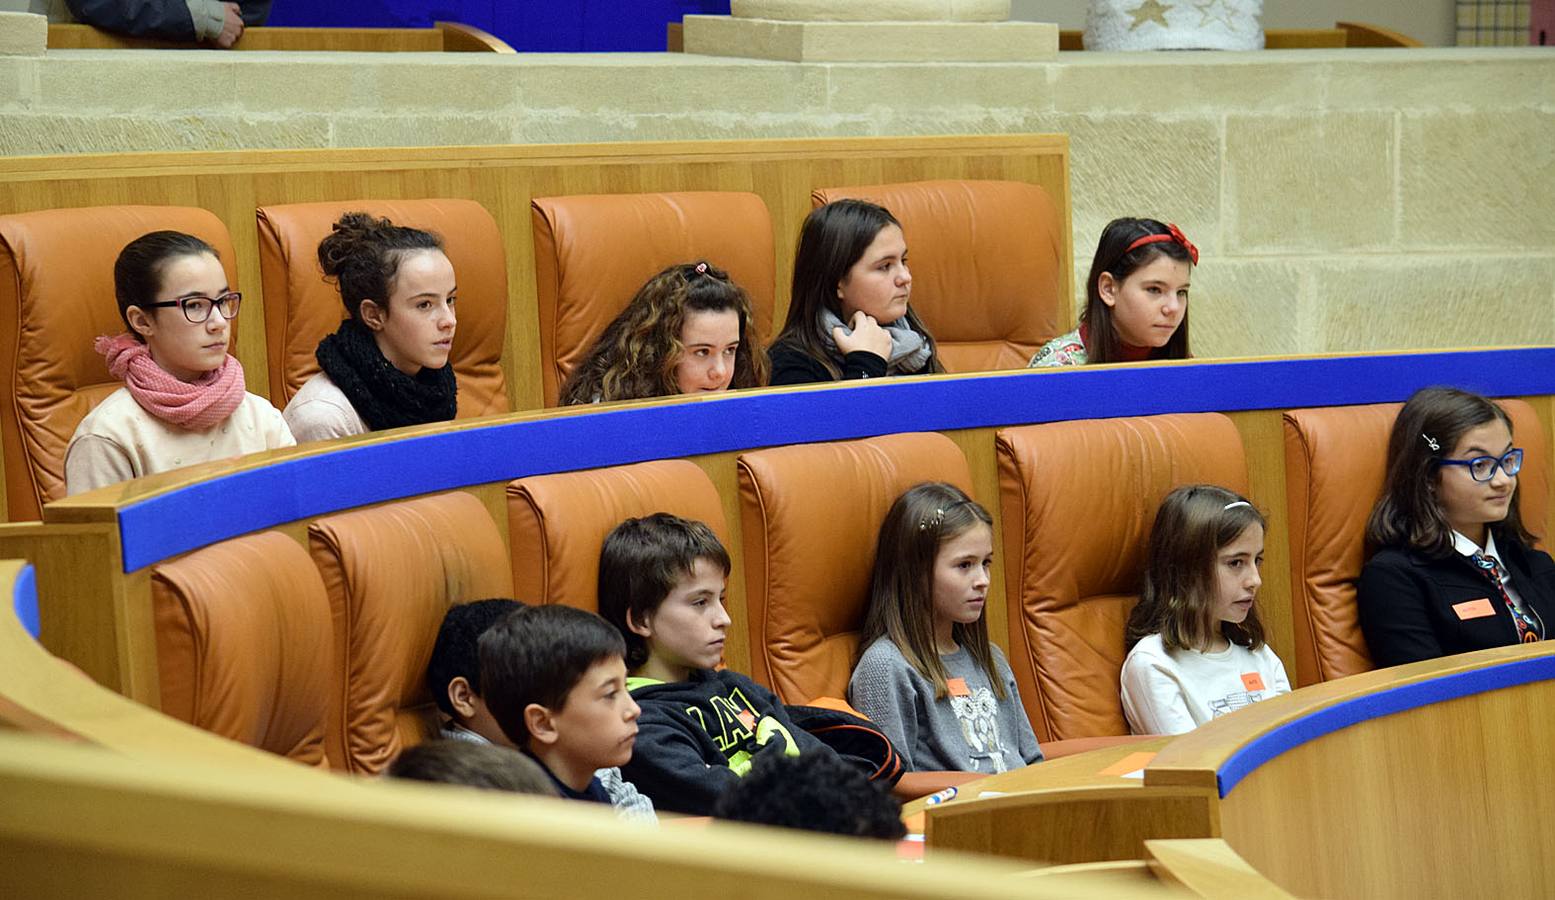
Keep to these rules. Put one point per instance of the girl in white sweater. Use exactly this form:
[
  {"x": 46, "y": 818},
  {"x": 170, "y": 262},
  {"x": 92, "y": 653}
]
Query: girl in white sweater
[{"x": 1196, "y": 644}]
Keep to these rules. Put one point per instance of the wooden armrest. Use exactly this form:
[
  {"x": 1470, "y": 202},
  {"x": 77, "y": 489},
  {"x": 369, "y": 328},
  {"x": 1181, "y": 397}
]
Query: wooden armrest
[{"x": 920, "y": 784}]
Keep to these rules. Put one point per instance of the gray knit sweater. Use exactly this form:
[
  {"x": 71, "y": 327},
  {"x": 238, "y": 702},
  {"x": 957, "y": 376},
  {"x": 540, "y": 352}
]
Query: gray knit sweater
[{"x": 970, "y": 731}]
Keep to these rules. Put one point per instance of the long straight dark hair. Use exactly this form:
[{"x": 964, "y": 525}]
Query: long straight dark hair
[
  {"x": 1177, "y": 600},
  {"x": 833, "y": 238},
  {"x": 1102, "y": 344},
  {"x": 1407, "y": 515},
  {"x": 901, "y": 588}
]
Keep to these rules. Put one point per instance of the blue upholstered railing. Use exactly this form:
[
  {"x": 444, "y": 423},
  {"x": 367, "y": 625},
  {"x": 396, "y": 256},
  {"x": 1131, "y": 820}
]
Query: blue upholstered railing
[
  {"x": 185, "y": 519},
  {"x": 24, "y": 599}
]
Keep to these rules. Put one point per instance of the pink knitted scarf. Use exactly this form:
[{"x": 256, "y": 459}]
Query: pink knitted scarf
[{"x": 194, "y": 405}]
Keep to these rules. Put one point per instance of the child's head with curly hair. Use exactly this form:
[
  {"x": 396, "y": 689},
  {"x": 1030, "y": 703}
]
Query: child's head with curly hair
[
  {"x": 815, "y": 792},
  {"x": 689, "y": 329}
]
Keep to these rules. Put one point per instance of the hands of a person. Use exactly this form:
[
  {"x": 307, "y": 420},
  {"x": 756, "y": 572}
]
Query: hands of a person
[
  {"x": 867, "y": 336},
  {"x": 232, "y": 28}
]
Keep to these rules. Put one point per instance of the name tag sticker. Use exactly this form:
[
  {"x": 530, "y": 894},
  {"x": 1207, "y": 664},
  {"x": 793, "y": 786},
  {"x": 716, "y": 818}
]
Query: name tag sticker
[
  {"x": 747, "y": 719},
  {"x": 1252, "y": 681},
  {"x": 957, "y": 687},
  {"x": 1474, "y": 609}
]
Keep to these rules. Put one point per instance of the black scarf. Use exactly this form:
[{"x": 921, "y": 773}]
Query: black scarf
[{"x": 384, "y": 396}]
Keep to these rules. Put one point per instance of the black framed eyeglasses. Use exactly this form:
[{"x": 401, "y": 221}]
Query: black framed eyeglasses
[
  {"x": 198, "y": 309},
  {"x": 1483, "y": 468}
]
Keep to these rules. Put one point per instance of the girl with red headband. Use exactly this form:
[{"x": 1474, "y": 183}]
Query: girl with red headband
[{"x": 1136, "y": 299}]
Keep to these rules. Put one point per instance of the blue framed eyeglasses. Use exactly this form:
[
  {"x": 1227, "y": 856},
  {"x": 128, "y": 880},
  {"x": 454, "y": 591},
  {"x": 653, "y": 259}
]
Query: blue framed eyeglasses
[{"x": 1483, "y": 468}]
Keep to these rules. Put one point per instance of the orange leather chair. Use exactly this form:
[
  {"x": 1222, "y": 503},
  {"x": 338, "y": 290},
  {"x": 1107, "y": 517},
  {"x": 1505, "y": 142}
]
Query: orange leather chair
[
  {"x": 301, "y": 307},
  {"x": 244, "y": 644},
  {"x": 592, "y": 253},
  {"x": 1078, "y": 501},
  {"x": 810, "y": 516},
  {"x": 391, "y": 572},
  {"x": 987, "y": 262},
  {"x": 1335, "y": 461},
  {"x": 557, "y": 523},
  {"x": 56, "y": 296}
]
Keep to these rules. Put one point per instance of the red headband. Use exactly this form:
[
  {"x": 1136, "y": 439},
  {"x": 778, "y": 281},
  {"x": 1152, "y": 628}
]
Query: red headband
[{"x": 1174, "y": 235}]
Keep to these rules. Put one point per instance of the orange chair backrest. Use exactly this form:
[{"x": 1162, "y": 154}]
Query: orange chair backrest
[
  {"x": 244, "y": 644},
  {"x": 987, "y": 262},
  {"x": 1078, "y": 502},
  {"x": 301, "y": 307},
  {"x": 56, "y": 295},
  {"x": 593, "y": 252},
  {"x": 558, "y": 523},
  {"x": 1335, "y": 463},
  {"x": 810, "y": 516},
  {"x": 391, "y": 572}
]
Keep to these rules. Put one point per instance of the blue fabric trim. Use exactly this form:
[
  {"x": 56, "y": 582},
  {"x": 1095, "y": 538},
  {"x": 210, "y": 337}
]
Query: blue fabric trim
[
  {"x": 24, "y": 599},
  {"x": 169, "y": 524},
  {"x": 1372, "y": 706}
]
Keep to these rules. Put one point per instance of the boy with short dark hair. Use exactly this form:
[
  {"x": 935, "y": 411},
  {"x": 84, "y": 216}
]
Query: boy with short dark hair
[
  {"x": 554, "y": 679},
  {"x": 471, "y": 764},
  {"x": 661, "y": 584},
  {"x": 814, "y": 792},
  {"x": 454, "y": 680}
]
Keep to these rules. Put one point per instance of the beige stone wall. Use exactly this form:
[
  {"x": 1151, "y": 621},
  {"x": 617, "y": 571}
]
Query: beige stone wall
[{"x": 1345, "y": 200}]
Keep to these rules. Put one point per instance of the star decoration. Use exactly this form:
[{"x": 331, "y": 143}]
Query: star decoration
[
  {"x": 1207, "y": 9},
  {"x": 1149, "y": 11}
]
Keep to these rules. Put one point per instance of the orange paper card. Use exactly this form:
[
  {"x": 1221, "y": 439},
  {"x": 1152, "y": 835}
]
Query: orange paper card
[
  {"x": 957, "y": 687},
  {"x": 1474, "y": 609},
  {"x": 747, "y": 719},
  {"x": 1252, "y": 681},
  {"x": 1130, "y": 763}
]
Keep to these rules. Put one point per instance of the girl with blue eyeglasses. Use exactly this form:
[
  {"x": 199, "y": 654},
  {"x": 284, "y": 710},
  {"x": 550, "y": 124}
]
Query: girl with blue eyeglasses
[{"x": 1455, "y": 569}]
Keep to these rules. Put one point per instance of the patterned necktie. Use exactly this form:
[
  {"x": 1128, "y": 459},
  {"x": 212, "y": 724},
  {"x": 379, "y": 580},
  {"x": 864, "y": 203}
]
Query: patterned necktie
[{"x": 1528, "y": 630}]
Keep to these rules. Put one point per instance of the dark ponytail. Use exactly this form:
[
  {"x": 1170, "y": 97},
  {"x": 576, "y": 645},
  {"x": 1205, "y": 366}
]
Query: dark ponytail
[{"x": 362, "y": 256}]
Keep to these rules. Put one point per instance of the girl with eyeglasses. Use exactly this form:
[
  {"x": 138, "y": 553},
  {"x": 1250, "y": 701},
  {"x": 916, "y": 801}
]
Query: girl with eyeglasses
[
  {"x": 387, "y": 364},
  {"x": 183, "y": 400},
  {"x": 1455, "y": 569}
]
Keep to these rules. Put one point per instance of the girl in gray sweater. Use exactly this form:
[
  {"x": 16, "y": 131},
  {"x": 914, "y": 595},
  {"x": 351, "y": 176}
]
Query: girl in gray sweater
[{"x": 928, "y": 677}]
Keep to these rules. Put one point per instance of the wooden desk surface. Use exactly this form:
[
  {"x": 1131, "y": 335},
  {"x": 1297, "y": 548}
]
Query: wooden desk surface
[{"x": 1080, "y": 770}]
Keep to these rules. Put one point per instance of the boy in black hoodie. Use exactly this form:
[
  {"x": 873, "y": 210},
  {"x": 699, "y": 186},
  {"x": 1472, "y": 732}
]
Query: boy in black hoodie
[{"x": 661, "y": 584}]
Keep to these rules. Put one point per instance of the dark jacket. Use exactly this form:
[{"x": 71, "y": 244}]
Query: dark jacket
[
  {"x": 791, "y": 365},
  {"x": 165, "y": 19},
  {"x": 697, "y": 737},
  {"x": 1406, "y": 602}
]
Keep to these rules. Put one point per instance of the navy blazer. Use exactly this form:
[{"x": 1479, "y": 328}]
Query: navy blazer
[
  {"x": 1406, "y": 602},
  {"x": 165, "y": 19}
]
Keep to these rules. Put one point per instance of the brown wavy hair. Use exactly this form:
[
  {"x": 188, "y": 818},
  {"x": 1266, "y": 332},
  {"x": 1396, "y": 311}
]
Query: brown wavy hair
[
  {"x": 1102, "y": 344},
  {"x": 1407, "y": 515},
  {"x": 635, "y": 357},
  {"x": 362, "y": 256},
  {"x": 901, "y": 587},
  {"x": 832, "y": 239},
  {"x": 1178, "y": 598}
]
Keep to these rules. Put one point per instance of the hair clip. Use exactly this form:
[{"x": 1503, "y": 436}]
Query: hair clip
[
  {"x": 1235, "y": 503},
  {"x": 1431, "y": 442},
  {"x": 933, "y": 522},
  {"x": 701, "y": 268}
]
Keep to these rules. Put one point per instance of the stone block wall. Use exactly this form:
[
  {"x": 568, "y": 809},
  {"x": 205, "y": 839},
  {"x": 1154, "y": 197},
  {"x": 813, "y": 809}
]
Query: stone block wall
[{"x": 1344, "y": 199}]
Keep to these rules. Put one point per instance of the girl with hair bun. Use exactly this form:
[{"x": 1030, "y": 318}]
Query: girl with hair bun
[
  {"x": 1195, "y": 643},
  {"x": 850, "y": 315},
  {"x": 927, "y": 675},
  {"x": 688, "y": 330},
  {"x": 183, "y": 400},
  {"x": 387, "y": 365},
  {"x": 1136, "y": 305},
  {"x": 1455, "y": 569}
]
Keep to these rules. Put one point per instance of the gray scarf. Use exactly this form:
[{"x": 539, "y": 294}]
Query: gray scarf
[{"x": 909, "y": 349}]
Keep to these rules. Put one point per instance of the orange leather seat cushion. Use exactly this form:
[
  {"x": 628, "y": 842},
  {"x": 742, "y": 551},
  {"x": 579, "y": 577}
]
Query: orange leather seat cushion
[
  {"x": 1335, "y": 463},
  {"x": 56, "y": 296},
  {"x": 391, "y": 572},
  {"x": 810, "y": 517},
  {"x": 987, "y": 260},
  {"x": 301, "y": 307},
  {"x": 593, "y": 251},
  {"x": 244, "y": 644},
  {"x": 1078, "y": 502},
  {"x": 557, "y": 523}
]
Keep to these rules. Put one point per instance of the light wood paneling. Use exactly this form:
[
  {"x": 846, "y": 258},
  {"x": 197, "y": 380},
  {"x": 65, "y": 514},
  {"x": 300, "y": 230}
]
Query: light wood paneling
[
  {"x": 1263, "y": 439},
  {"x": 1208, "y": 867},
  {"x": 71, "y": 36}
]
